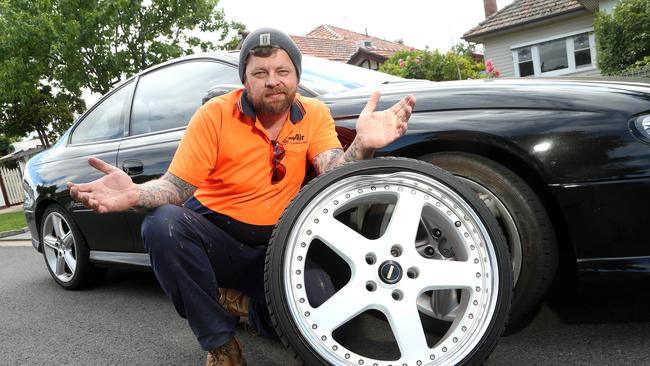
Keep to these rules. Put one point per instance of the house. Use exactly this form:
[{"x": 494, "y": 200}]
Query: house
[
  {"x": 22, "y": 151},
  {"x": 346, "y": 46},
  {"x": 12, "y": 167},
  {"x": 541, "y": 37}
]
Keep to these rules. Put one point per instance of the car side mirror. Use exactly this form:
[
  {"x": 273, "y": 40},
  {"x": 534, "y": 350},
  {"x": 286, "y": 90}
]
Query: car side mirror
[{"x": 217, "y": 90}]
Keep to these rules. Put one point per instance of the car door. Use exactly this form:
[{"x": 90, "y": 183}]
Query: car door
[
  {"x": 98, "y": 134},
  {"x": 165, "y": 100}
]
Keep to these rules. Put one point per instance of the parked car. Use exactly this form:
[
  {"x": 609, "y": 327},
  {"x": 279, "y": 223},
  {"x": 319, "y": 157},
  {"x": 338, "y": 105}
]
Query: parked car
[{"x": 563, "y": 165}]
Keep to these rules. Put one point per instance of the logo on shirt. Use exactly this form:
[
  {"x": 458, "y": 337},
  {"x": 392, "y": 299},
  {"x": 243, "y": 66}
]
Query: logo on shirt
[{"x": 295, "y": 139}]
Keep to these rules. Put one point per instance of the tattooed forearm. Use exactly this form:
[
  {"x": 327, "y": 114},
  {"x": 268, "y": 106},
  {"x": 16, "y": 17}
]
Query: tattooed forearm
[
  {"x": 330, "y": 159},
  {"x": 325, "y": 160},
  {"x": 169, "y": 189}
]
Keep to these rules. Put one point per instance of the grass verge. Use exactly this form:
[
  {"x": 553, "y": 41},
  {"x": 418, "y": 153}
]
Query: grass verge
[{"x": 12, "y": 221}]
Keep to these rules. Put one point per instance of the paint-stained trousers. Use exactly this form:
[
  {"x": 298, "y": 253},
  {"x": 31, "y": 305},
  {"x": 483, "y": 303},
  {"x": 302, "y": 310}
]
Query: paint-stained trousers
[{"x": 192, "y": 258}]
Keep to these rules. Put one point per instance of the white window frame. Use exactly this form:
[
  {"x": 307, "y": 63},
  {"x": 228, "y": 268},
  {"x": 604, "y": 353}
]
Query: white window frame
[{"x": 568, "y": 37}]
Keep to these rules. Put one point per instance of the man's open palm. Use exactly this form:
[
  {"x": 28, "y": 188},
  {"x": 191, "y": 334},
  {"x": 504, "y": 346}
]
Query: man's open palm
[
  {"x": 111, "y": 193},
  {"x": 377, "y": 129}
]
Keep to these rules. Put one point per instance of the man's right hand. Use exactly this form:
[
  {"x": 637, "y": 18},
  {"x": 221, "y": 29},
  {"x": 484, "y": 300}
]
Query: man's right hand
[{"x": 111, "y": 193}]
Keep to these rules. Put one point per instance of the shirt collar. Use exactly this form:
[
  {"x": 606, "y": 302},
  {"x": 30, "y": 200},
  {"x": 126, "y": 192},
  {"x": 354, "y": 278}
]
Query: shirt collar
[{"x": 296, "y": 113}]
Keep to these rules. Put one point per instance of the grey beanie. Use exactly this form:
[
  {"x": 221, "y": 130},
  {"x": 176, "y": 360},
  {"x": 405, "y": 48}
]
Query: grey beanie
[{"x": 269, "y": 37}]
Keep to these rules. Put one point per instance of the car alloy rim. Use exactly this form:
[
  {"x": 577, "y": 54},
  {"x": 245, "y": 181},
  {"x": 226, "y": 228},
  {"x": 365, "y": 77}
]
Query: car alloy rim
[
  {"x": 417, "y": 201},
  {"x": 59, "y": 247}
]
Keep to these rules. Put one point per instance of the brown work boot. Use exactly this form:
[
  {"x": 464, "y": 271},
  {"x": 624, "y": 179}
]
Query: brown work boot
[
  {"x": 230, "y": 354},
  {"x": 234, "y": 301}
]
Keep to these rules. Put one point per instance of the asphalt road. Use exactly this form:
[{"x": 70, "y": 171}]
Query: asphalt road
[{"x": 127, "y": 320}]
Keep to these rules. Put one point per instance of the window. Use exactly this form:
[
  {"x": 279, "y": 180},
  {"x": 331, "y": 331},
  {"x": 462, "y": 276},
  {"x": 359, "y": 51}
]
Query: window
[
  {"x": 553, "y": 55},
  {"x": 167, "y": 98},
  {"x": 324, "y": 76},
  {"x": 525, "y": 62},
  {"x": 105, "y": 121},
  {"x": 581, "y": 50}
]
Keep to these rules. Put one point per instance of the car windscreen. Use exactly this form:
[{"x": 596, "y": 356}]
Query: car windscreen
[{"x": 324, "y": 76}]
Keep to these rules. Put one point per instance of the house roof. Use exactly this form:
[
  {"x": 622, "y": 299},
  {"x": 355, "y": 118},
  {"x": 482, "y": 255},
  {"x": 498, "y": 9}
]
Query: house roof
[
  {"x": 331, "y": 49},
  {"x": 521, "y": 12},
  {"x": 340, "y": 44}
]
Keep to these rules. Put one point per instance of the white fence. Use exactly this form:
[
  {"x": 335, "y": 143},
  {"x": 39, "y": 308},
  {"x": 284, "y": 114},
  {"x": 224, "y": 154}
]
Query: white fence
[
  {"x": 11, "y": 186},
  {"x": 638, "y": 73}
]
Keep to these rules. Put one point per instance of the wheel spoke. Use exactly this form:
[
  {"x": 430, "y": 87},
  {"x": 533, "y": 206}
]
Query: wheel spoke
[
  {"x": 407, "y": 328},
  {"x": 340, "y": 308},
  {"x": 405, "y": 219},
  {"x": 344, "y": 241},
  {"x": 60, "y": 266},
  {"x": 51, "y": 242},
  {"x": 67, "y": 240},
  {"x": 57, "y": 224},
  {"x": 70, "y": 261},
  {"x": 441, "y": 274}
]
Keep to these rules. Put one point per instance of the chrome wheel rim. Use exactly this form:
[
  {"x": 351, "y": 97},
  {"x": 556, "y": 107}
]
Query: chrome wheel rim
[
  {"x": 59, "y": 247},
  {"x": 417, "y": 201}
]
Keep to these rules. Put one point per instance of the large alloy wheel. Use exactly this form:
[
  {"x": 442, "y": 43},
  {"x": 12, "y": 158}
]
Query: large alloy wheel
[
  {"x": 343, "y": 292},
  {"x": 64, "y": 249}
]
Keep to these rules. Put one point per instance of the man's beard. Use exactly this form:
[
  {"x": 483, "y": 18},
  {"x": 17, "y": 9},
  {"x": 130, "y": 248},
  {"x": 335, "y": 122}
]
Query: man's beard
[{"x": 263, "y": 106}]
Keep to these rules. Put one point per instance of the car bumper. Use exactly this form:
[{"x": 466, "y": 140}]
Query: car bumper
[{"x": 30, "y": 217}]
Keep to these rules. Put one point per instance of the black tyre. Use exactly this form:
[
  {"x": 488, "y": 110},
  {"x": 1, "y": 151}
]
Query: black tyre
[
  {"x": 64, "y": 249},
  {"x": 523, "y": 219},
  {"x": 375, "y": 300}
]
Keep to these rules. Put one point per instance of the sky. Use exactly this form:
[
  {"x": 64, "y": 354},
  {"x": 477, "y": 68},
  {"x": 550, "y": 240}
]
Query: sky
[
  {"x": 434, "y": 23},
  {"x": 438, "y": 24}
]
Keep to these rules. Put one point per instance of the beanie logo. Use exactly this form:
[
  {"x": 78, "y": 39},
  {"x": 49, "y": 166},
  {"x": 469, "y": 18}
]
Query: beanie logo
[{"x": 265, "y": 39}]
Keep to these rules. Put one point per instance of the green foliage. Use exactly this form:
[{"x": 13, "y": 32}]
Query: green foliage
[
  {"x": 27, "y": 100},
  {"x": 52, "y": 49},
  {"x": 12, "y": 221},
  {"x": 456, "y": 64},
  {"x": 623, "y": 37},
  {"x": 113, "y": 39},
  {"x": 5, "y": 144},
  {"x": 641, "y": 64}
]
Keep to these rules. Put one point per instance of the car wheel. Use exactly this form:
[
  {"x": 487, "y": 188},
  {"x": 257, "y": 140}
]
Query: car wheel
[
  {"x": 523, "y": 219},
  {"x": 376, "y": 302},
  {"x": 64, "y": 249}
]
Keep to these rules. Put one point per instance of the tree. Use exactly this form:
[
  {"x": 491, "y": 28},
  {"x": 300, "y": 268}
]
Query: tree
[
  {"x": 51, "y": 49},
  {"x": 623, "y": 37},
  {"x": 5, "y": 144},
  {"x": 457, "y": 64},
  {"x": 27, "y": 99}
]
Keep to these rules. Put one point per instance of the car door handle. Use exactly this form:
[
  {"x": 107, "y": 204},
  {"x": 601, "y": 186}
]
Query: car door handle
[{"x": 132, "y": 167}]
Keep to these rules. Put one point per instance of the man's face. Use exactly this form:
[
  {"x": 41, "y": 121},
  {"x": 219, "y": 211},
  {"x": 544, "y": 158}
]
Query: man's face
[{"x": 271, "y": 82}]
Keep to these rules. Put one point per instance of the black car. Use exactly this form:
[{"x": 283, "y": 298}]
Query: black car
[{"x": 563, "y": 165}]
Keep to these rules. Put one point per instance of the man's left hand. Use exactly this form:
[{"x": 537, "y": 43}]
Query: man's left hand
[{"x": 376, "y": 129}]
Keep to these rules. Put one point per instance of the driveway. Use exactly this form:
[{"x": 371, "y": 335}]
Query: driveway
[{"x": 127, "y": 320}]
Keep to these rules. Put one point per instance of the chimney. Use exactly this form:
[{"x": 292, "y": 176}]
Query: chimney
[{"x": 490, "y": 7}]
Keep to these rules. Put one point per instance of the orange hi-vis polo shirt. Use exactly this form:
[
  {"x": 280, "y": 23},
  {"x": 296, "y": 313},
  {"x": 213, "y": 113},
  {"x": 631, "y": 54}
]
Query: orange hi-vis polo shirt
[{"x": 227, "y": 154}]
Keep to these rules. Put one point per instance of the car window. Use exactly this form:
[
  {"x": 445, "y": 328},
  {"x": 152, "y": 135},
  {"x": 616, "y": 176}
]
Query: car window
[
  {"x": 167, "y": 98},
  {"x": 105, "y": 121},
  {"x": 325, "y": 76}
]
